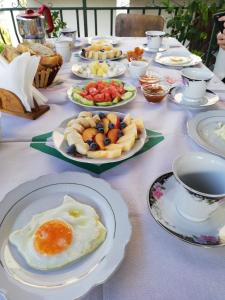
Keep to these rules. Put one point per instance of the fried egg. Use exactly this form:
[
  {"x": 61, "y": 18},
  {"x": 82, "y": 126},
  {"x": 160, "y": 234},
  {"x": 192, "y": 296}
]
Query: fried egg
[{"x": 59, "y": 236}]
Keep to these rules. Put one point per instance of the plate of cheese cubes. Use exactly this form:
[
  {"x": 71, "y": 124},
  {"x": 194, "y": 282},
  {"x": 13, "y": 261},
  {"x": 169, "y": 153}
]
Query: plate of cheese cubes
[
  {"x": 100, "y": 137},
  {"x": 98, "y": 69}
]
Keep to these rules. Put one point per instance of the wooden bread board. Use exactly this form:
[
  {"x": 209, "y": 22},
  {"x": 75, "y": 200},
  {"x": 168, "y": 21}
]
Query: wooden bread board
[{"x": 11, "y": 104}]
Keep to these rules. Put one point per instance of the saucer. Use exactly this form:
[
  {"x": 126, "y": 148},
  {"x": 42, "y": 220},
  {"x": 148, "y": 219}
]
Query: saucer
[
  {"x": 208, "y": 233},
  {"x": 177, "y": 97},
  {"x": 161, "y": 49}
]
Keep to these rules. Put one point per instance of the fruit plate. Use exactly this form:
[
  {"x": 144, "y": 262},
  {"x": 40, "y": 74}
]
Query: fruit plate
[
  {"x": 83, "y": 70},
  {"x": 76, "y": 279},
  {"x": 45, "y": 144},
  {"x": 61, "y": 144},
  {"x": 108, "y": 104},
  {"x": 123, "y": 55}
]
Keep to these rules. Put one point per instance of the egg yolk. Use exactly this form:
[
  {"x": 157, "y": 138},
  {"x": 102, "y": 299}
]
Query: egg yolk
[{"x": 53, "y": 237}]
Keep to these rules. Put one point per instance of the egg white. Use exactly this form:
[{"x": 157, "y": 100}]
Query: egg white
[{"x": 88, "y": 233}]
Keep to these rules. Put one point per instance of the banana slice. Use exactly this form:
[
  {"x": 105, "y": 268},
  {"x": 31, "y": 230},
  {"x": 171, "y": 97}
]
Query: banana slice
[
  {"x": 73, "y": 138},
  {"x": 79, "y": 128},
  {"x": 131, "y": 129},
  {"x": 114, "y": 147},
  {"x": 113, "y": 153},
  {"x": 139, "y": 124},
  {"x": 96, "y": 118},
  {"x": 126, "y": 137},
  {"x": 85, "y": 114},
  {"x": 83, "y": 122},
  {"x": 128, "y": 144},
  {"x": 104, "y": 153},
  {"x": 82, "y": 148},
  {"x": 127, "y": 119},
  {"x": 96, "y": 154},
  {"x": 90, "y": 121}
]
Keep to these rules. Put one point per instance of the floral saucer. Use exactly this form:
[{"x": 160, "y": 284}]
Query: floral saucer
[{"x": 162, "y": 196}]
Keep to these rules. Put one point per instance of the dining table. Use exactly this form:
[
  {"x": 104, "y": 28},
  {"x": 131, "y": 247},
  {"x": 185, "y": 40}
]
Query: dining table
[{"x": 156, "y": 265}]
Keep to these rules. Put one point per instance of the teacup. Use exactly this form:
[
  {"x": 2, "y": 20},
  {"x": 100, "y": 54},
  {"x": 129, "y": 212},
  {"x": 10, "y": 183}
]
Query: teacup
[
  {"x": 154, "y": 39},
  {"x": 64, "y": 49},
  {"x": 137, "y": 68},
  {"x": 195, "y": 84},
  {"x": 201, "y": 188},
  {"x": 69, "y": 33}
]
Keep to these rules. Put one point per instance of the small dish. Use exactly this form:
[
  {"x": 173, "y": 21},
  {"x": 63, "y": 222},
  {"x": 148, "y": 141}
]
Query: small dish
[
  {"x": 177, "y": 97},
  {"x": 162, "y": 199},
  {"x": 155, "y": 92}
]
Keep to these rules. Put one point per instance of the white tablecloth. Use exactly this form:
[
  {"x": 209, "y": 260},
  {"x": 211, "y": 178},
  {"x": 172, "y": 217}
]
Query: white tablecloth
[{"x": 157, "y": 265}]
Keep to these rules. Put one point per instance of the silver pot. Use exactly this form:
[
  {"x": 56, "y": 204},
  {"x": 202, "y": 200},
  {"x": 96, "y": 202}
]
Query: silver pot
[{"x": 31, "y": 24}]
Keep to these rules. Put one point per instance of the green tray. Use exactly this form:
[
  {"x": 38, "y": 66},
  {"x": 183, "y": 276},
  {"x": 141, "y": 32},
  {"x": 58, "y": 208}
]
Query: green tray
[{"x": 40, "y": 143}]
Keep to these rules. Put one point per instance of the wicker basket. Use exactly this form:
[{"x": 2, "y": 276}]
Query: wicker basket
[{"x": 45, "y": 77}]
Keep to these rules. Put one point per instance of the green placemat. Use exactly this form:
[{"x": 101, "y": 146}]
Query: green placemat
[{"x": 40, "y": 143}]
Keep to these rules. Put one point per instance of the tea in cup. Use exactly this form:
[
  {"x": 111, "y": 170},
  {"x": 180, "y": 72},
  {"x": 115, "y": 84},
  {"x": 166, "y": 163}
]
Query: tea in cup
[
  {"x": 137, "y": 68},
  {"x": 195, "y": 84},
  {"x": 154, "y": 39},
  {"x": 201, "y": 185}
]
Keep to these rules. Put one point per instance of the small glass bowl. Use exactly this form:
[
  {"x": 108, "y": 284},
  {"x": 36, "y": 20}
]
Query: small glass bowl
[
  {"x": 150, "y": 78},
  {"x": 155, "y": 92}
]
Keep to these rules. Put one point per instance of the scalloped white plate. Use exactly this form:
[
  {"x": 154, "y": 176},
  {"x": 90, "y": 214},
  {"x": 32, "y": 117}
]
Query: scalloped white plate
[
  {"x": 76, "y": 279},
  {"x": 120, "y": 103},
  {"x": 61, "y": 144}
]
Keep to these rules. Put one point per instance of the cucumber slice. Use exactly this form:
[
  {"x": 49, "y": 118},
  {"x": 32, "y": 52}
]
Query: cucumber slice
[
  {"x": 129, "y": 88},
  {"x": 127, "y": 95},
  {"x": 104, "y": 103}
]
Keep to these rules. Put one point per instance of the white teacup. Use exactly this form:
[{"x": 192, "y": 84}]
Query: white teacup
[
  {"x": 69, "y": 33},
  {"x": 154, "y": 39},
  {"x": 137, "y": 68},
  {"x": 64, "y": 49},
  {"x": 195, "y": 84},
  {"x": 201, "y": 188}
]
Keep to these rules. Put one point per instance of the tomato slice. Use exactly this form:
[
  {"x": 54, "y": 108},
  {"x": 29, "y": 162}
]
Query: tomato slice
[
  {"x": 99, "y": 98},
  {"x": 89, "y": 97}
]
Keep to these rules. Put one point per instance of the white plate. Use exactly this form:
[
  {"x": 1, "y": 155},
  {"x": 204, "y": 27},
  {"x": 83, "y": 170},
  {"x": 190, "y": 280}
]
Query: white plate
[
  {"x": 61, "y": 144},
  {"x": 121, "y": 69},
  {"x": 123, "y": 55},
  {"x": 161, "y": 49},
  {"x": 177, "y": 97},
  {"x": 114, "y": 40},
  {"x": 201, "y": 130},
  {"x": 46, "y": 192},
  {"x": 188, "y": 61},
  {"x": 121, "y": 103}
]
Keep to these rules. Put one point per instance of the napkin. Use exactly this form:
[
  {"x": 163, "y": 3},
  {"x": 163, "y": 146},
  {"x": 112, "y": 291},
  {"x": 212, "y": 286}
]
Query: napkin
[{"x": 17, "y": 77}]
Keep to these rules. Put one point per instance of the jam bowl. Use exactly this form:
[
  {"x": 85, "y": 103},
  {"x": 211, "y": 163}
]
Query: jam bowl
[{"x": 155, "y": 92}]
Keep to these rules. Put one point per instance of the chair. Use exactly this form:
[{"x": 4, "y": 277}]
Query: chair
[{"x": 137, "y": 24}]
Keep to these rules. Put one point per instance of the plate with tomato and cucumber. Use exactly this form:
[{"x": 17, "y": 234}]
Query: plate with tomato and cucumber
[{"x": 102, "y": 93}]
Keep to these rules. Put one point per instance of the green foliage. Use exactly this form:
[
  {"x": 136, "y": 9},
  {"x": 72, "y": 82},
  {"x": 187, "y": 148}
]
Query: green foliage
[
  {"x": 192, "y": 25},
  {"x": 58, "y": 24}
]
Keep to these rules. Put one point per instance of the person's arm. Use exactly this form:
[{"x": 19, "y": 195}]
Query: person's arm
[{"x": 221, "y": 36}]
